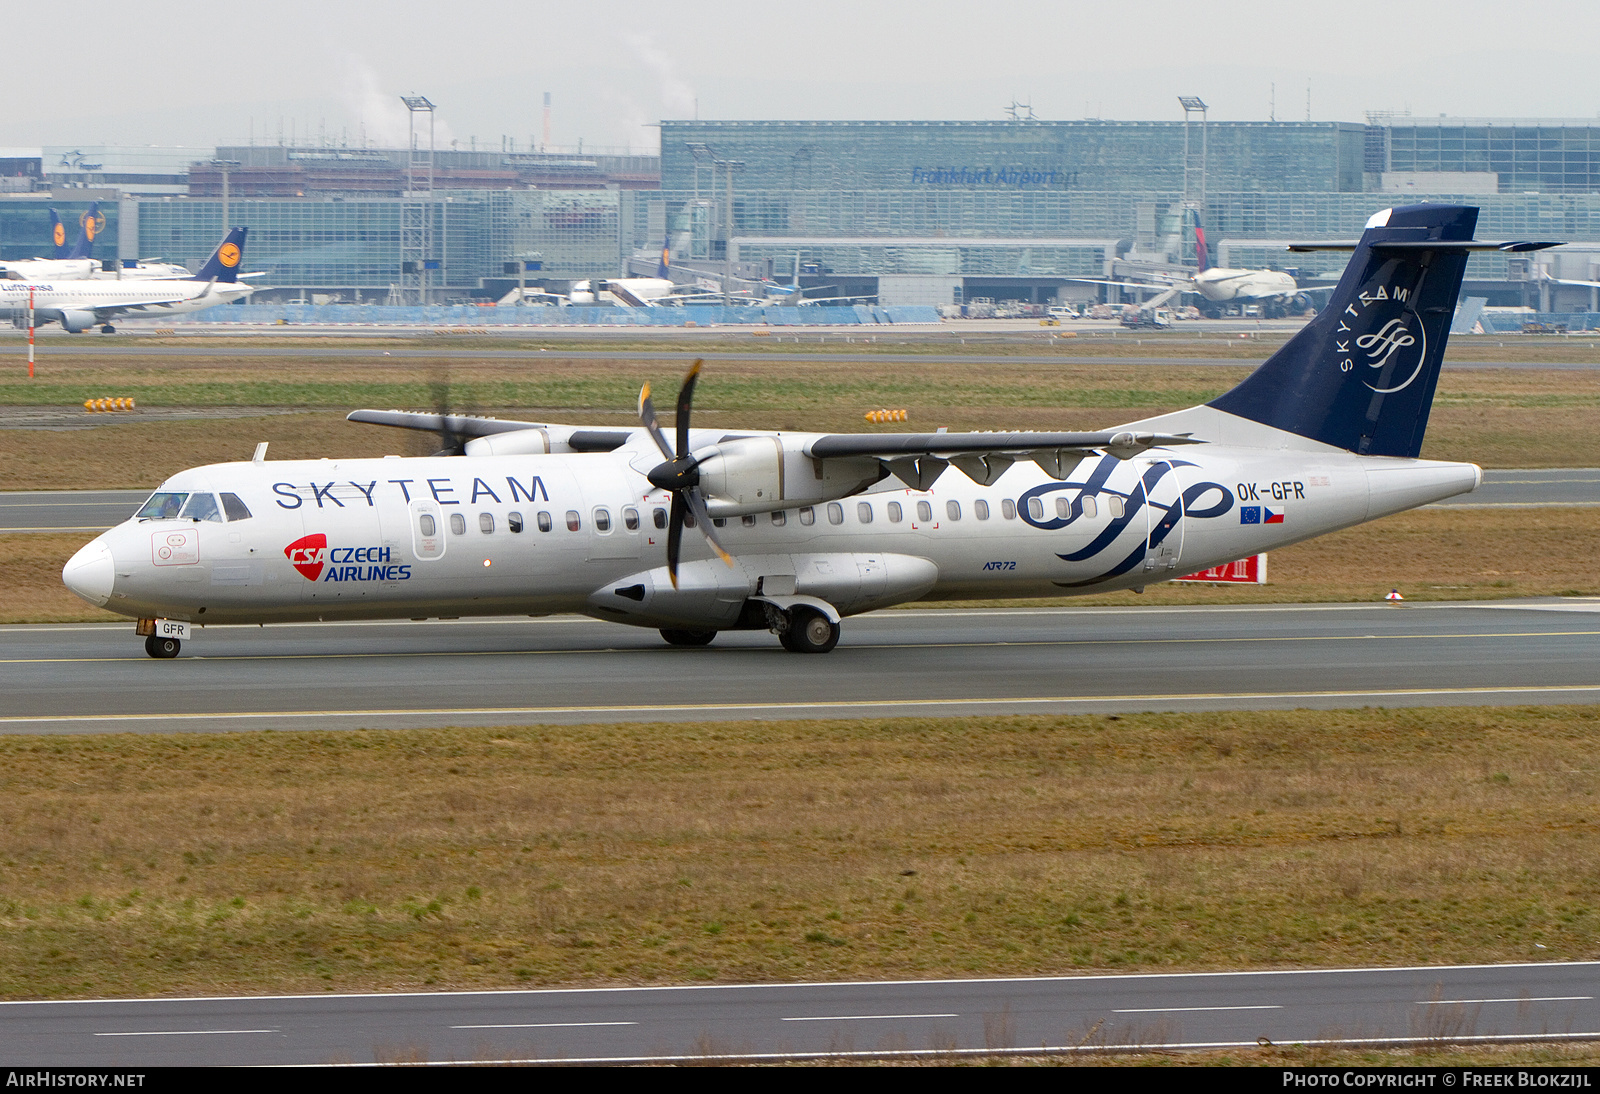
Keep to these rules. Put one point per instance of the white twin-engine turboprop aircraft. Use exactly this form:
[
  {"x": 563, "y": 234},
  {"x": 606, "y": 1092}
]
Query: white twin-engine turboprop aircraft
[{"x": 789, "y": 532}]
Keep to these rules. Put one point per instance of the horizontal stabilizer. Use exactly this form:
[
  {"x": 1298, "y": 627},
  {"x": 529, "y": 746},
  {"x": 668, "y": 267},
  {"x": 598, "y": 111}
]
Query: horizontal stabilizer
[{"x": 1514, "y": 246}]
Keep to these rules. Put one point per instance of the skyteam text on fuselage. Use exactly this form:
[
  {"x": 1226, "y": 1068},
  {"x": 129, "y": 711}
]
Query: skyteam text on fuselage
[{"x": 710, "y": 530}]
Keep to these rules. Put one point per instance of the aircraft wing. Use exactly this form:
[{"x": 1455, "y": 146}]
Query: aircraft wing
[
  {"x": 469, "y": 425},
  {"x": 918, "y": 459}
]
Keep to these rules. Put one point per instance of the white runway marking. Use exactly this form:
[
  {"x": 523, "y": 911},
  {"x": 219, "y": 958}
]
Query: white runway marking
[{"x": 866, "y": 1017}]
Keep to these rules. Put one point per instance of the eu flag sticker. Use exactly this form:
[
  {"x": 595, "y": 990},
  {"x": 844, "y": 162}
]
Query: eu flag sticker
[{"x": 1249, "y": 514}]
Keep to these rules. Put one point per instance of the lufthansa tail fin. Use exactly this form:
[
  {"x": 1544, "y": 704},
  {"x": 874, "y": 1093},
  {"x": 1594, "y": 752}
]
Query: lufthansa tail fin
[
  {"x": 1361, "y": 375},
  {"x": 58, "y": 236},
  {"x": 223, "y": 265},
  {"x": 89, "y": 226},
  {"x": 664, "y": 269}
]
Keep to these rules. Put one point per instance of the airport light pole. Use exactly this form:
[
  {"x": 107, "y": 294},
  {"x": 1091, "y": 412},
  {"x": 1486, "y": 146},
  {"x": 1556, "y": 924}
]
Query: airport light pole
[
  {"x": 416, "y": 213},
  {"x": 225, "y": 166},
  {"x": 728, "y": 168}
]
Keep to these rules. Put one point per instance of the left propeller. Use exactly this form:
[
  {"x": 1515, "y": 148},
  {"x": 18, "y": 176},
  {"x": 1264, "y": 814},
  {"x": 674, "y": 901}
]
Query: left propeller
[{"x": 680, "y": 474}]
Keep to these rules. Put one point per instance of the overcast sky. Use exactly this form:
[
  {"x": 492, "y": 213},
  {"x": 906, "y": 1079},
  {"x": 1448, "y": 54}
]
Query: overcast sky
[{"x": 203, "y": 73}]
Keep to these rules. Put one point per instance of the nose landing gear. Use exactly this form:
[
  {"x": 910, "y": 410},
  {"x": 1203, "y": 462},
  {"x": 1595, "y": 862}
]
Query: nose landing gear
[{"x": 162, "y": 648}]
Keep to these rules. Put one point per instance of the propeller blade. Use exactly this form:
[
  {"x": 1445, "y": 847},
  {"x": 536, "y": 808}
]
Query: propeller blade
[
  {"x": 702, "y": 520},
  {"x": 647, "y": 415},
  {"x": 675, "y": 536},
  {"x": 685, "y": 401}
]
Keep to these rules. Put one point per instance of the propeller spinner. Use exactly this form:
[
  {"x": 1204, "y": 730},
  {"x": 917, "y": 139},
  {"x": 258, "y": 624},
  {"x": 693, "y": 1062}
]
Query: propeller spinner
[{"x": 680, "y": 474}]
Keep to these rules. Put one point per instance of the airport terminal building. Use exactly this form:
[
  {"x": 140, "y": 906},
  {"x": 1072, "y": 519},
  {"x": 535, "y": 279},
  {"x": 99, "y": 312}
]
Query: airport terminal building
[{"x": 916, "y": 212}]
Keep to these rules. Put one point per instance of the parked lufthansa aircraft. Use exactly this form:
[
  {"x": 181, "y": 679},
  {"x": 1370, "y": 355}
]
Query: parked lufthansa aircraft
[
  {"x": 743, "y": 529},
  {"x": 79, "y": 305}
]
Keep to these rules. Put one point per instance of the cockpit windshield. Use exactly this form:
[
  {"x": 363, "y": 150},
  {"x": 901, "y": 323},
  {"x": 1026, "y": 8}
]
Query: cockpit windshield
[
  {"x": 162, "y": 506},
  {"x": 202, "y": 507}
]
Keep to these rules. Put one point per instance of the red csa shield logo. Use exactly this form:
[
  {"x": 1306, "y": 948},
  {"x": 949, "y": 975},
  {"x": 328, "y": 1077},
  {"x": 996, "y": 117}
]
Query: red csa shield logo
[{"x": 307, "y": 554}]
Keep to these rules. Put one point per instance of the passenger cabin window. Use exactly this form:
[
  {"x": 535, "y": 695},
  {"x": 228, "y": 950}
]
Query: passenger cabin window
[
  {"x": 630, "y": 519},
  {"x": 1008, "y": 509},
  {"x": 659, "y": 518},
  {"x": 779, "y": 517},
  {"x": 236, "y": 509},
  {"x": 458, "y": 524},
  {"x": 162, "y": 507},
  {"x": 202, "y": 507},
  {"x": 808, "y": 515},
  {"x": 514, "y": 522},
  {"x": 427, "y": 525},
  {"x": 1035, "y": 508},
  {"x": 602, "y": 521},
  {"x": 1063, "y": 507},
  {"x": 924, "y": 511},
  {"x": 1115, "y": 507},
  {"x": 748, "y": 520},
  {"x": 835, "y": 513},
  {"x": 486, "y": 523},
  {"x": 544, "y": 521},
  {"x": 1091, "y": 508},
  {"x": 864, "y": 512},
  {"x": 952, "y": 509},
  {"x": 895, "y": 512},
  {"x": 574, "y": 521},
  {"x": 980, "y": 509},
  {"x": 720, "y": 522}
]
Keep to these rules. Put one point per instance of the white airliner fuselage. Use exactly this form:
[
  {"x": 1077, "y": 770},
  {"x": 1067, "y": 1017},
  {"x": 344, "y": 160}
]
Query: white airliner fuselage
[
  {"x": 585, "y": 532},
  {"x": 78, "y": 305},
  {"x": 1221, "y": 286}
]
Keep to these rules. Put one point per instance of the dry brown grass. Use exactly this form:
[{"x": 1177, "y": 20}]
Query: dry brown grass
[
  {"x": 135, "y": 864},
  {"x": 1495, "y": 417}
]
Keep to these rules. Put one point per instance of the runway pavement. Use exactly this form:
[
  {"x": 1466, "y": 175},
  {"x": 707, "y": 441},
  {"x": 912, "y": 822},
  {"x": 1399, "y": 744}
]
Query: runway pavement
[
  {"x": 90, "y": 678},
  {"x": 97, "y": 510},
  {"x": 1551, "y": 1001}
]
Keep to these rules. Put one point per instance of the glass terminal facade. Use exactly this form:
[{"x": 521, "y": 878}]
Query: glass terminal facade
[{"x": 917, "y": 211}]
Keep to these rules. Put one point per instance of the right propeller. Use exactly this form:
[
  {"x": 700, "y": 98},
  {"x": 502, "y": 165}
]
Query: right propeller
[{"x": 680, "y": 474}]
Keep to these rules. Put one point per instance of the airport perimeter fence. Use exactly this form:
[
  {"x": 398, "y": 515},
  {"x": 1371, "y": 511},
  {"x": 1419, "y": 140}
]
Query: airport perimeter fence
[
  {"x": 1554, "y": 322},
  {"x": 540, "y": 315}
]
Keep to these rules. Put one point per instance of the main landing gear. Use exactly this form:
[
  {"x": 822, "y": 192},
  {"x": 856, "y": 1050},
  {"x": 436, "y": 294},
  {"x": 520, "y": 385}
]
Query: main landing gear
[
  {"x": 162, "y": 648},
  {"x": 809, "y": 631}
]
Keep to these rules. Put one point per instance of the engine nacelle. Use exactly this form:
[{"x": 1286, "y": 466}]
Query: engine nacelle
[
  {"x": 760, "y": 474},
  {"x": 75, "y": 320}
]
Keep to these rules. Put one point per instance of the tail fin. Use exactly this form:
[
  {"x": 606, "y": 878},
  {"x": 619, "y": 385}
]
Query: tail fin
[
  {"x": 664, "y": 270},
  {"x": 1361, "y": 375},
  {"x": 223, "y": 265},
  {"x": 1201, "y": 253},
  {"x": 58, "y": 236},
  {"x": 89, "y": 226}
]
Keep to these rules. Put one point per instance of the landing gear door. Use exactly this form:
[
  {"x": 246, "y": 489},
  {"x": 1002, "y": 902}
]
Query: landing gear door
[
  {"x": 427, "y": 530},
  {"x": 1163, "y": 509}
]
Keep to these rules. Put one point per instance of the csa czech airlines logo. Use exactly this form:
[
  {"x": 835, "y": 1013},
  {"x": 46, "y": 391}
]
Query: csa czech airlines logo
[
  {"x": 308, "y": 554},
  {"x": 229, "y": 254}
]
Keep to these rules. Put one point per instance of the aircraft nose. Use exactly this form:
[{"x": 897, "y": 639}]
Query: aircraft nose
[{"x": 91, "y": 573}]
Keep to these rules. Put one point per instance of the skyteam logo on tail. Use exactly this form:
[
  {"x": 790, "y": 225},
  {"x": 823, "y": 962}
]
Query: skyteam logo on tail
[{"x": 1382, "y": 332}]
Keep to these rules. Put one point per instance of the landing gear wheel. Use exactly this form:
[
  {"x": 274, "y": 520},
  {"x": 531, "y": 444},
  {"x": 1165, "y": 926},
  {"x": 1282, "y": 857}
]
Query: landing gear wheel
[
  {"x": 108, "y": 329},
  {"x": 677, "y": 637},
  {"x": 162, "y": 648},
  {"x": 809, "y": 632}
]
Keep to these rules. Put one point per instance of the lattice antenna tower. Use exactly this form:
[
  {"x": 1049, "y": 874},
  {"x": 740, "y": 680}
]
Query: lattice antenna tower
[{"x": 416, "y": 211}]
